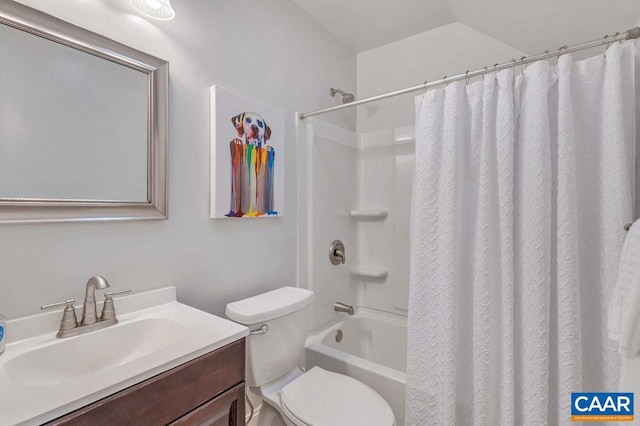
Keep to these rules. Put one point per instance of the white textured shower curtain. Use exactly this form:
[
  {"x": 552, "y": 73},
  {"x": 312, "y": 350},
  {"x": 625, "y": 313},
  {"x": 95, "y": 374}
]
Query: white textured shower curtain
[{"x": 522, "y": 187}]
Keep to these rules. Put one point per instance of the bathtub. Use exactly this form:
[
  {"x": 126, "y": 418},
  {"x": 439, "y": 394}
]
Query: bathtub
[{"x": 373, "y": 349}]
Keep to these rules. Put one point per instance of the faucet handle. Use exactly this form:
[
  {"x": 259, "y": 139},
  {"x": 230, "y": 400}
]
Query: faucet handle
[
  {"x": 337, "y": 252},
  {"x": 108, "y": 310},
  {"x": 115, "y": 293},
  {"x": 69, "y": 319},
  {"x": 66, "y": 303}
]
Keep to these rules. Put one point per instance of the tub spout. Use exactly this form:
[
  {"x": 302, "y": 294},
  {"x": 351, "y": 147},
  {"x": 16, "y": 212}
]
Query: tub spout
[{"x": 343, "y": 307}]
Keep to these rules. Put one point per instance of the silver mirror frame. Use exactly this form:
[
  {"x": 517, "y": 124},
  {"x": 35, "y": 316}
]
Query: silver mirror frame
[{"x": 13, "y": 211}]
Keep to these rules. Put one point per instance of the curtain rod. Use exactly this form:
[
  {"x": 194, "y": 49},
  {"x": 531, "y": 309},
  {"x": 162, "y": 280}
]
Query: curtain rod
[{"x": 608, "y": 39}]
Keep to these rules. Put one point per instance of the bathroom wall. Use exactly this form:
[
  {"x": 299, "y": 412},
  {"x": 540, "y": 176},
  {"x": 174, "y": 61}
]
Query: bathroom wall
[
  {"x": 386, "y": 142},
  {"x": 428, "y": 56},
  {"x": 269, "y": 50}
]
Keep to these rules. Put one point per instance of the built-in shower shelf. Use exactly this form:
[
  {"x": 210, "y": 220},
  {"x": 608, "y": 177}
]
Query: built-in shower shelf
[
  {"x": 369, "y": 272},
  {"x": 369, "y": 214}
]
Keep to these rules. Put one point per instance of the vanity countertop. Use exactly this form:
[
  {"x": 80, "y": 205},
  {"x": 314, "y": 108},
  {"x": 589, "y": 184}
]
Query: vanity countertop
[{"x": 154, "y": 333}]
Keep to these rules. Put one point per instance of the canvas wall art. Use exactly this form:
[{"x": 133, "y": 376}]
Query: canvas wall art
[{"x": 247, "y": 157}]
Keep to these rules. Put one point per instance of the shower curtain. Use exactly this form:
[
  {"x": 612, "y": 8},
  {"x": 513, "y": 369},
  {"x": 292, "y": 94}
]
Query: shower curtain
[{"x": 522, "y": 187}]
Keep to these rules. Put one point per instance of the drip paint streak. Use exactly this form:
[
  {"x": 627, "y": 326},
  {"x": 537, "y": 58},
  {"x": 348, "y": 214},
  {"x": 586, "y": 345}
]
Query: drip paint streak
[{"x": 252, "y": 179}]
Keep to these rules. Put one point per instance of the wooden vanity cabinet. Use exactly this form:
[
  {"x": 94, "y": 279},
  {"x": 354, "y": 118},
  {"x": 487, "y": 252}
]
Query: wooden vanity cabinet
[{"x": 208, "y": 390}]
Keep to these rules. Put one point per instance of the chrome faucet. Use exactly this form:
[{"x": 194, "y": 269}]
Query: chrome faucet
[
  {"x": 69, "y": 326},
  {"x": 343, "y": 307},
  {"x": 89, "y": 315}
]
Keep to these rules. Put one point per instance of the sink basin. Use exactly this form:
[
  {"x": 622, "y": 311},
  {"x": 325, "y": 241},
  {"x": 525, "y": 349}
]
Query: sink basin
[{"x": 71, "y": 358}]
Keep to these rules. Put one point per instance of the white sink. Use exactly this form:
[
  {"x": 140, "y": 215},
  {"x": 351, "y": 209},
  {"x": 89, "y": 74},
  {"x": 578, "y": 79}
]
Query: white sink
[
  {"x": 70, "y": 358},
  {"x": 43, "y": 377}
]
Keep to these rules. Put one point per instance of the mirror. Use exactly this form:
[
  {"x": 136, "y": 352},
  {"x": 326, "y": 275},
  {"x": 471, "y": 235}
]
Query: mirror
[{"x": 83, "y": 123}]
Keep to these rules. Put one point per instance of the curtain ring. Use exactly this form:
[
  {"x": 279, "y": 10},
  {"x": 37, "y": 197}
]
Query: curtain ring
[
  {"x": 616, "y": 35},
  {"x": 425, "y": 86},
  {"x": 485, "y": 70},
  {"x": 466, "y": 76},
  {"x": 444, "y": 80},
  {"x": 514, "y": 64},
  {"x": 522, "y": 64},
  {"x": 605, "y": 45},
  {"x": 561, "y": 48}
]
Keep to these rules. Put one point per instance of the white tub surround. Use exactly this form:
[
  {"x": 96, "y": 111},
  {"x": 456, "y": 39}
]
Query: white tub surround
[
  {"x": 373, "y": 350},
  {"x": 154, "y": 333}
]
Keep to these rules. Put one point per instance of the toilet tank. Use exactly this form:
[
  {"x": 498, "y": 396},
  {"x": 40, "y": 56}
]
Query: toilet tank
[{"x": 286, "y": 311}]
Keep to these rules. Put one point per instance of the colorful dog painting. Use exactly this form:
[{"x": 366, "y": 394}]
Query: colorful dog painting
[
  {"x": 247, "y": 157},
  {"x": 252, "y": 167}
]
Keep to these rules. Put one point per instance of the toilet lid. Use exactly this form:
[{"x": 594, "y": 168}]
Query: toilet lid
[{"x": 323, "y": 398}]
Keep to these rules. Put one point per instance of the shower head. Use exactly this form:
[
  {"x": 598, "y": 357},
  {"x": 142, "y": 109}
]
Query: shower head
[{"x": 346, "y": 97}]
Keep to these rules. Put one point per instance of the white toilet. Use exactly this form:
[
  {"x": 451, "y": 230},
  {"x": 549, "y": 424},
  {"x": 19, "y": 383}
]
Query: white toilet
[{"x": 279, "y": 321}]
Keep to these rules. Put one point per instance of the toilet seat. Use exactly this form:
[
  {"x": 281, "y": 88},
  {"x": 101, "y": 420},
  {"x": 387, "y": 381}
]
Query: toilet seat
[{"x": 323, "y": 398}]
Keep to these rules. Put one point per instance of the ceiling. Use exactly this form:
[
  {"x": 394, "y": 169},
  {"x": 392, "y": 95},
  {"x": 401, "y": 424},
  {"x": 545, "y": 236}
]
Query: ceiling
[{"x": 530, "y": 26}]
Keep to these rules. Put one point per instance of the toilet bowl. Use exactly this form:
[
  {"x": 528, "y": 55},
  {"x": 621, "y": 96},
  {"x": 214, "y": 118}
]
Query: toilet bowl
[
  {"x": 321, "y": 397},
  {"x": 278, "y": 321}
]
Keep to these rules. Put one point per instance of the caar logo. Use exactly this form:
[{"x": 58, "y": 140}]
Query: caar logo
[{"x": 601, "y": 407}]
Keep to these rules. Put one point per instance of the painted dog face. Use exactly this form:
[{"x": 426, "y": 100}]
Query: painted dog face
[{"x": 253, "y": 127}]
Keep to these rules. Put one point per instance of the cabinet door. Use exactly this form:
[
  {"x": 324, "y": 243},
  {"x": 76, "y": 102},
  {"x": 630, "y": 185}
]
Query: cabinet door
[
  {"x": 224, "y": 410},
  {"x": 167, "y": 396}
]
